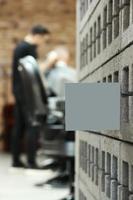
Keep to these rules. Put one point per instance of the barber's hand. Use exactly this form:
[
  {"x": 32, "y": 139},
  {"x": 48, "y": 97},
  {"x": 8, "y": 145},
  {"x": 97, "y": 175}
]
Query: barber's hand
[{"x": 51, "y": 59}]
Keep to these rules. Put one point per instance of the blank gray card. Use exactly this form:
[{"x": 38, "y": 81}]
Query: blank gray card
[{"x": 92, "y": 106}]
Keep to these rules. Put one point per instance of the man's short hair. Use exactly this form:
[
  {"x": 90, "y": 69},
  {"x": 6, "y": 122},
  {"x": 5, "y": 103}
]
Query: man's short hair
[{"x": 39, "y": 29}]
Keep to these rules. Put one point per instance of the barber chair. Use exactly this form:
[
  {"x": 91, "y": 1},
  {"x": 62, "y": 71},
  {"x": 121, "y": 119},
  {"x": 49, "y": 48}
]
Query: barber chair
[
  {"x": 34, "y": 95},
  {"x": 48, "y": 114},
  {"x": 56, "y": 142},
  {"x": 60, "y": 145}
]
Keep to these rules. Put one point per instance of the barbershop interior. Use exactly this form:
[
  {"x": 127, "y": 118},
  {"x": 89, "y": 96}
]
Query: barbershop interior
[{"x": 37, "y": 59}]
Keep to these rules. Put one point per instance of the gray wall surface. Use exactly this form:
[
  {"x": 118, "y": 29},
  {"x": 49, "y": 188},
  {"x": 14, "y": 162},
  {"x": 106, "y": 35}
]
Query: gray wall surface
[{"x": 104, "y": 161}]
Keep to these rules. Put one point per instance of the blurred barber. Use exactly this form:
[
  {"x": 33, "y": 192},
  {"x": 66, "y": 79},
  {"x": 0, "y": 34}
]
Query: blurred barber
[
  {"x": 58, "y": 72},
  {"x": 28, "y": 47}
]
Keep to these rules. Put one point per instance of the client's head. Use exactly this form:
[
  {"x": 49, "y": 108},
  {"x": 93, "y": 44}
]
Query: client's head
[{"x": 62, "y": 53}]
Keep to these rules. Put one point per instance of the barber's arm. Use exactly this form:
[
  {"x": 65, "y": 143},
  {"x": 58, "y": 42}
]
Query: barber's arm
[{"x": 49, "y": 62}]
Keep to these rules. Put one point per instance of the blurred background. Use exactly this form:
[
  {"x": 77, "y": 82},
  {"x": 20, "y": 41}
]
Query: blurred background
[{"x": 16, "y": 18}]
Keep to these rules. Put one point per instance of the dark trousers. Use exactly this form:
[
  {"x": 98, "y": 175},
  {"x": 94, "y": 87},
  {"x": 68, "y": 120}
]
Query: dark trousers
[{"x": 20, "y": 129}]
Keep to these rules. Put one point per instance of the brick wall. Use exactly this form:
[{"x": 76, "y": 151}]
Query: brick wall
[{"x": 16, "y": 17}]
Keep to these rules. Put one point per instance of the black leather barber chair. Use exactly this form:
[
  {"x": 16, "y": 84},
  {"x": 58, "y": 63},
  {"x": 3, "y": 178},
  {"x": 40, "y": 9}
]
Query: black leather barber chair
[
  {"x": 62, "y": 146},
  {"x": 59, "y": 144},
  {"x": 56, "y": 142},
  {"x": 34, "y": 95}
]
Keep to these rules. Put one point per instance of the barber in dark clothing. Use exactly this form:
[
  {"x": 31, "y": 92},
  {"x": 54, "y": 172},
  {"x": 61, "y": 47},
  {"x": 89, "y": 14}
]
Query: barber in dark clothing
[{"x": 28, "y": 47}]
